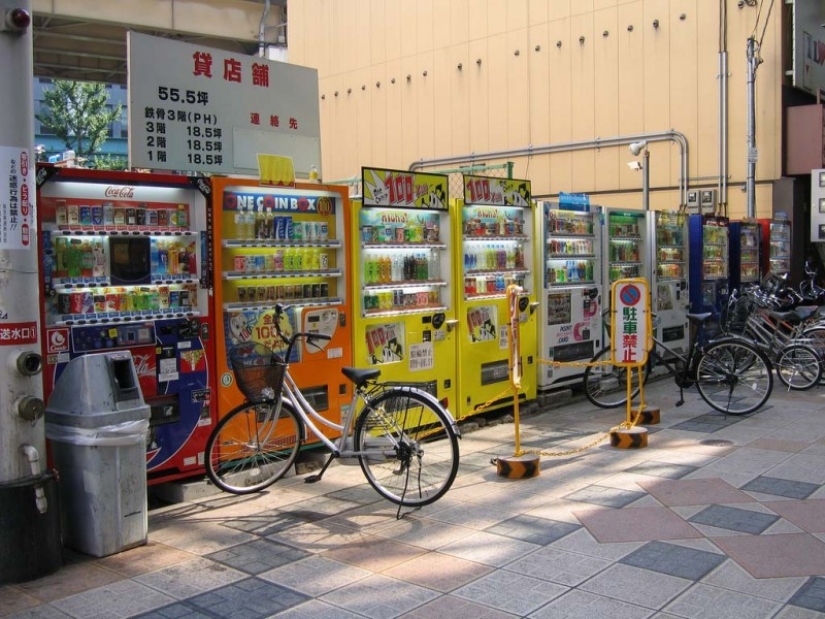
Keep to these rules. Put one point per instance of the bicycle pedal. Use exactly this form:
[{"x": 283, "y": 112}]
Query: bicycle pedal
[{"x": 311, "y": 479}]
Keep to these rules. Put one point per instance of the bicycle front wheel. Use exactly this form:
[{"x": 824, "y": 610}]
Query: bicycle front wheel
[
  {"x": 409, "y": 447},
  {"x": 605, "y": 384},
  {"x": 798, "y": 367},
  {"x": 733, "y": 377},
  {"x": 253, "y": 446}
]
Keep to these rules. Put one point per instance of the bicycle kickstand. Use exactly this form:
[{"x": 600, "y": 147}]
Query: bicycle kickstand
[
  {"x": 311, "y": 479},
  {"x": 681, "y": 396}
]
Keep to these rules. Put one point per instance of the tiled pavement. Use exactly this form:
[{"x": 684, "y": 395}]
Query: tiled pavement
[{"x": 717, "y": 517}]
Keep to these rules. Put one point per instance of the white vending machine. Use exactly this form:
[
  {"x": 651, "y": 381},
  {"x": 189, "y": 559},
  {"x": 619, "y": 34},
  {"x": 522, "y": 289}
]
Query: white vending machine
[
  {"x": 570, "y": 328},
  {"x": 671, "y": 275}
]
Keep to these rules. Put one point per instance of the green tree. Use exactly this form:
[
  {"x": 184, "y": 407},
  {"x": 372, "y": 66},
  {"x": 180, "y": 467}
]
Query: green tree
[{"x": 76, "y": 113}]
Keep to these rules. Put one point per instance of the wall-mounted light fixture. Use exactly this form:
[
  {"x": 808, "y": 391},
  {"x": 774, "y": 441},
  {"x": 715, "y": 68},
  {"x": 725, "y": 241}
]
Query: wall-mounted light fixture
[
  {"x": 606, "y": 33},
  {"x": 459, "y": 66},
  {"x": 478, "y": 61},
  {"x": 538, "y": 48},
  {"x": 558, "y": 44},
  {"x": 424, "y": 73},
  {"x": 336, "y": 93},
  {"x": 378, "y": 84},
  {"x": 655, "y": 23},
  {"x": 581, "y": 40},
  {"x": 323, "y": 97},
  {"x": 630, "y": 27},
  {"x": 516, "y": 53}
]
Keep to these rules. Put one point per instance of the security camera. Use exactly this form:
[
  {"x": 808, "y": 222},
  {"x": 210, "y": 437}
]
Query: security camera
[
  {"x": 637, "y": 147},
  {"x": 634, "y": 165},
  {"x": 16, "y": 21}
]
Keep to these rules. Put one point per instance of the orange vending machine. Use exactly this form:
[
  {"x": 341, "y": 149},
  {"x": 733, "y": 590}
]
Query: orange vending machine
[{"x": 283, "y": 245}]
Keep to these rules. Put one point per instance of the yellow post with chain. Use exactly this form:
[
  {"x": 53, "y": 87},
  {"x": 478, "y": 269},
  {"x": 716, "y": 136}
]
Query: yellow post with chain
[
  {"x": 521, "y": 465},
  {"x": 632, "y": 337}
]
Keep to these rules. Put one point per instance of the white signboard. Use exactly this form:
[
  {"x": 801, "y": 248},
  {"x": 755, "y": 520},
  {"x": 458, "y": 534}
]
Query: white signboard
[
  {"x": 201, "y": 109},
  {"x": 809, "y": 45},
  {"x": 631, "y": 330},
  {"x": 16, "y": 195}
]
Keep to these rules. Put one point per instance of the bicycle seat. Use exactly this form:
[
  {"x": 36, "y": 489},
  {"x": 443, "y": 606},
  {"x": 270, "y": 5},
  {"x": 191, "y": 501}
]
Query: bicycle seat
[
  {"x": 795, "y": 315},
  {"x": 359, "y": 376},
  {"x": 699, "y": 319}
]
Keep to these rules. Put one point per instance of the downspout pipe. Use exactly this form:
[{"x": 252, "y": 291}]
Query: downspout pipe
[
  {"x": 262, "y": 31},
  {"x": 563, "y": 147},
  {"x": 723, "y": 131}
]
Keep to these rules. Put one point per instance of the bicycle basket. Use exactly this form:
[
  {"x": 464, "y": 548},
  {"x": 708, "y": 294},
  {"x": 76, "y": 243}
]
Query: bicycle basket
[{"x": 258, "y": 371}]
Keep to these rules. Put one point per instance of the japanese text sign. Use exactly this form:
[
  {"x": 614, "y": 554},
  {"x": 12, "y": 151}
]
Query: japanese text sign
[
  {"x": 630, "y": 322},
  {"x": 207, "y": 110},
  {"x": 496, "y": 191},
  {"x": 403, "y": 189}
]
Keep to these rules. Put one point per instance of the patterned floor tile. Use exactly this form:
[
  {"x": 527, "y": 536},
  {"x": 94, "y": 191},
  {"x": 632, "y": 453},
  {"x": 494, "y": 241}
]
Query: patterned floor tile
[
  {"x": 68, "y": 580},
  {"x": 811, "y": 595},
  {"x": 781, "y": 487},
  {"x": 735, "y": 519},
  {"x": 578, "y": 604},
  {"x": 251, "y": 598},
  {"x": 269, "y": 522},
  {"x": 511, "y": 592},
  {"x": 146, "y": 558},
  {"x": 191, "y": 578},
  {"x": 694, "y": 491},
  {"x": 379, "y": 597},
  {"x": 13, "y": 600},
  {"x": 606, "y": 497},
  {"x": 534, "y": 530},
  {"x": 662, "y": 469},
  {"x": 674, "y": 560},
  {"x": 641, "y": 524},
  {"x": 802, "y": 467},
  {"x": 449, "y": 606},
  {"x": 425, "y": 533},
  {"x": 560, "y": 566},
  {"x": 808, "y": 515},
  {"x": 257, "y": 556},
  {"x": 438, "y": 571},
  {"x": 315, "y": 609},
  {"x": 777, "y": 444},
  {"x": 120, "y": 599},
  {"x": 706, "y": 423},
  {"x": 732, "y": 576},
  {"x": 717, "y": 603},
  {"x": 374, "y": 553},
  {"x": 776, "y": 556},
  {"x": 636, "y": 586},
  {"x": 315, "y": 575},
  {"x": 489, "y": 549}
]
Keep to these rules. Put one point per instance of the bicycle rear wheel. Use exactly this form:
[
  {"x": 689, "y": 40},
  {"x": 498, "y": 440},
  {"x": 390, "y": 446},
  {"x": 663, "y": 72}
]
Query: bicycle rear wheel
[
  {"x": 605, "y": 384},
  {"x": 411, "y": 447},
  {"x": 733, "y": 377},
  {"x": 798, "y": 367},
  {"x": 253, "y": 446}
]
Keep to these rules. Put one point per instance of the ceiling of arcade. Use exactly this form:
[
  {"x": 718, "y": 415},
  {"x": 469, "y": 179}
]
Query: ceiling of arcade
[{"x": 86, "y": 39}]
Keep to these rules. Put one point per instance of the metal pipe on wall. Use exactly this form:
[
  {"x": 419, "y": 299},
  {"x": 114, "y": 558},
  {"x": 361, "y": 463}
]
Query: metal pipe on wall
[{"x": 547, "y": 149}]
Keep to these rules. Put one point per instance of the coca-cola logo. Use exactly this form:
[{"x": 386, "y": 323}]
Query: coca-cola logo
[
  {"x": 143, "y": 365},
  {"x": 119, "y": 192}
]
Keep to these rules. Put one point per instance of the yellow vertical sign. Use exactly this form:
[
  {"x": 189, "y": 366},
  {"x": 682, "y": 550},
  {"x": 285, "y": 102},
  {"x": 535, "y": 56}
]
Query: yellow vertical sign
[{"x": 631, "y": 326}]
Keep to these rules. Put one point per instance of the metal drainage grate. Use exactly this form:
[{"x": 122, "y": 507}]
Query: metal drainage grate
[{"x": 716, "y": 442}]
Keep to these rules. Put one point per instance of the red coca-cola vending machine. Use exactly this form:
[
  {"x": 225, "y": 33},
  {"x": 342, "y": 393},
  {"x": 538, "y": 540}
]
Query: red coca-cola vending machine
[{"x": 126, "y": 265}]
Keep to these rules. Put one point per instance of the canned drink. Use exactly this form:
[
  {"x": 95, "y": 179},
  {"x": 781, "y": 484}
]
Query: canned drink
[
  {"x": 174, "y": 298},
  {"x": 323, "y": 234},
  {"x": 140, "y": 215},
  {"x": 260, "y": 263},
  {"x": 131, "y": 216},
  {"x": 323, "y": 261},
  {"x": 280, "y": 228},
  {"x": 99, "y": 302},
  {"x": 270, "y": 293},
  {"x": 297, "y": 230},
  {"x": 85, "y": 214},
  {"x": 399, "y": 234},
  {"x": 260, "y": 293},
  {"x": 279, "y": 291},
  {"x": 184, "y": 299},
  {"x": 64, "y": 303},
  {"x": 242, "y": 294},
  {"x": 97, "y": 215},
  {"x": 306, "y": 292},
  {"x": 288, "y": 292},
  {"x": 76, "y": 303},
  {"x": 61, "y": 214},
  {"x": 151, "y": 217},
  {"x": 163, "y": 297},
  {"x": 316, "y": 291},
  {"x": 123, "y": 302},
  {"x": 72, "y": 214},
  {"x": 239, "y": 263},
  {"x": 163, "y": 217},
  {"x": 324, "y": 290},
  {"x": 120, "y": 216},
  {"x": 366, "y": 233},
  {"x": 87, "y": 299}
]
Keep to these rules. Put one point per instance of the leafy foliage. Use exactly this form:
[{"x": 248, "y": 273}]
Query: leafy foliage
[
  {"x": 109, "y": 162},
  {"x": 76, "y": 113}
]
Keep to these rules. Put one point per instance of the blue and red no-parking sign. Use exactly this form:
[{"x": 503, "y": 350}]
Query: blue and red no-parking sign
[{"x": 630, "y": 322}]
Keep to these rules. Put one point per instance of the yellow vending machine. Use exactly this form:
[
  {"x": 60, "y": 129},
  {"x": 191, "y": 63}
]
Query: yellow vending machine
[
  {"x": 495, "y": 239},
  {"x": 403, "y": 291},
  {"x": 283, "y": 245}
]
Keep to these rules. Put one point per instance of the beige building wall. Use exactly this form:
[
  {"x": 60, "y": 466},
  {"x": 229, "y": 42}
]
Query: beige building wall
[{"x": 409, "y": 80}]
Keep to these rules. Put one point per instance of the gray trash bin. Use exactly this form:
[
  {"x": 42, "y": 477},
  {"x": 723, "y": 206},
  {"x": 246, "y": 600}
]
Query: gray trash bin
[{"x": 97, "y": 423}]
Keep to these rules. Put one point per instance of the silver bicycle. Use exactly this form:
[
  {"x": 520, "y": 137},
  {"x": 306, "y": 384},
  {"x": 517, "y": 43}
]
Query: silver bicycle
[{"x": 404, "y": 439}]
